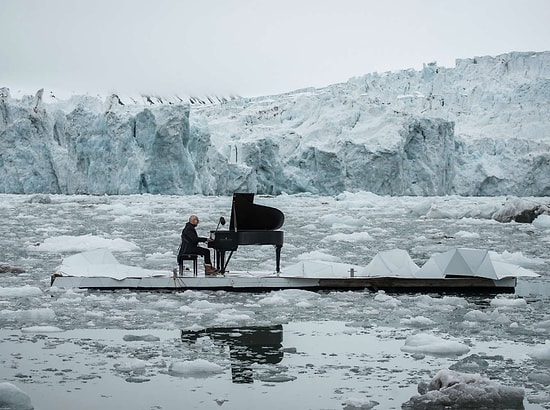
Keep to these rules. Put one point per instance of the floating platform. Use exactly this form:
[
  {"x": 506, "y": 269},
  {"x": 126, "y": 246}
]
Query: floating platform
[
  {"x": 233, "y": 282},
  {"x": 457, "y": 270}
]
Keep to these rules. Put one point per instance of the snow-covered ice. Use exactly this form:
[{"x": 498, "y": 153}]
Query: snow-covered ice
[
  {"x": 479, "y": 128},
  {"x": 454, "y": 390}
]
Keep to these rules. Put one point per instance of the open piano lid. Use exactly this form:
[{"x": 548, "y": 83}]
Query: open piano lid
[{"x": 246, "y": 215}]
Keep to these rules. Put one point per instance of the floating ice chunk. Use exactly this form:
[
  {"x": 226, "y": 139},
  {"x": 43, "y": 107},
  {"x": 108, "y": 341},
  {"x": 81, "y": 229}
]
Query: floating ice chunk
[
  {"x": 206, "y": 305},
  {"x": 466, "y": 235},
  {"x": 275, "y": 376},
  {"x": 498, "y": 317},
  {"x": 477, "y": 316},
  {"x": 69, "y": 301},
  {"x": 354, "y": 403},
  {"x": 444, "y": 303},
  {"x": 472, "y": 363},
  {"x": 437, "y": 213},
  {"x": 541, "y": 352},
  {"x": 13, "y": 398},
  {"x": 453, "y": 301},
  {"x": 83, "y": 243},
  {"x": 166, "y": 304},
  {"x": 41, "y": 329},
  {"x": 193, "y": 294},
  {"x": 318, "y": 256},
  {"x": 339, "y": 221},
  {"x": 349, "y": 237},
  {"x": 33, "y": 315},
  {"x": 131, "y": 366},
  {"x": 20, "y": 292},
  {"x": 194, "y": 328},
  {"x": 234, "y": 316},
  {"x": 454, "y": 390},
  {"x": 368, "y": 311},
  {"x": 204, "y": 341},
  {"x": 157, "y": 257},
  {"x": 508, "y": 302},
  {"x": 386, "y": 299},
  {"x": 540, "y": 377},
  {"x": 515, "y": 207},
  {"x": 542, "y": 222},
  {"x": 141, "y": 338},
  {"x": 516, "y": 258},
  {"x": 545, "y": 325},
  {"x": 418, "y": 321},
  {"x": 274, "y": 299},
  {"x": 539, "y": 398},
  {"x": 124, "y": 219},
  {"x": 427, "y": 343},
  {"x": 130, "y": 300},
  {"x": 195, "y": 368},
  {"x": 290, "y": 295},
  {"x": 421, "y": 208}
]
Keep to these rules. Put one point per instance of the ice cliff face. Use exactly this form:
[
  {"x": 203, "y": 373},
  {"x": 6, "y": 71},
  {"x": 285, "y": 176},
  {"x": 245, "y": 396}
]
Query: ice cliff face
[{"x": 481, "y": 128}]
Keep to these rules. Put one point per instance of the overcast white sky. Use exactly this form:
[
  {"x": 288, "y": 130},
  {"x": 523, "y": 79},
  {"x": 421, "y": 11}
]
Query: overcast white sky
[{"x": 248, "y": 47}]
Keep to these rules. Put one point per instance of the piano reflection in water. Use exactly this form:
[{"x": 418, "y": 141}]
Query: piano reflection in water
[{"x": 250, "y": 224}]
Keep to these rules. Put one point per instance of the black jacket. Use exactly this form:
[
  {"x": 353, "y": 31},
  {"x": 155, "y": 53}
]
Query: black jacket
[{"x": 189, "y": 239}]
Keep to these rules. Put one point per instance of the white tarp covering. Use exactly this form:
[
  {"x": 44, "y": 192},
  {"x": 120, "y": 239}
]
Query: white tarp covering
[
  {"x": 392, "y": 263},
  {"x": 469, "y": 262},
  {"x": 319, "y": 269},
  {"x": 509, "y": 270},
  {"x": 102, "y": 263}
]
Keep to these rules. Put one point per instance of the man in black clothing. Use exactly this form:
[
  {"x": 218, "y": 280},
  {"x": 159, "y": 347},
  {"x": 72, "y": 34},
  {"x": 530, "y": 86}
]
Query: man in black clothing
[{"x": 189, "y": 245}]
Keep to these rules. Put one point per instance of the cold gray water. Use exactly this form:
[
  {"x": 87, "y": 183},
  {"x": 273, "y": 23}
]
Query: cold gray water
[{"x": 110, "y": 350}]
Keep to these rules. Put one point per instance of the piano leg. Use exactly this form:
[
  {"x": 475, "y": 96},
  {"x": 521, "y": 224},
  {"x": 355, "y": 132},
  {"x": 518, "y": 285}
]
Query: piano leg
[
  {"x": 278, "y": 257},
  {"x": 221, "y": 263},
  {"x": 224, "y": 263}
]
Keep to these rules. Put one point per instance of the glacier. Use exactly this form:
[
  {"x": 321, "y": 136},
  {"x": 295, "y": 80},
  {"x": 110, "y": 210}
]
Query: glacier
[{"x": 481, "y": 128}]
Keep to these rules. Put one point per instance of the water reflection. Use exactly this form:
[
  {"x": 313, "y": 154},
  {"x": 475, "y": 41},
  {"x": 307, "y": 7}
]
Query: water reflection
[{"x": 248, "y": 345}]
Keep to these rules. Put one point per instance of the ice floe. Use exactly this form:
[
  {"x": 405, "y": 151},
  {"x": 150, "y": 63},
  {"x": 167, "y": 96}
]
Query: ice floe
[
  {"x": 431, "y": 344},
  {"x": 13, "y": 398},
  {"x": 195, "y": 368},
  {"x": 454, "y": 390}
]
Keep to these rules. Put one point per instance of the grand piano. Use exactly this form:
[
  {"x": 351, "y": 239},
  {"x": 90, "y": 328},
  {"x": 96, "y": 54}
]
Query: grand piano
[{"x": 250, "y": 224}]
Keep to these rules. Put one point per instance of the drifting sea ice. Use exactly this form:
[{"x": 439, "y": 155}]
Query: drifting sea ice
[
  {"x": 13, "y": 398},
  {"x": 195, "y": 368},
  {"x": 542, "y": 222},
  {"x": 18, "y": 292},
  {"x": 454, "y": 390},
  {"x": 431, "y": 344},
  {"x": 541, "y": 352},
  {"x": 338, "y": 347}
]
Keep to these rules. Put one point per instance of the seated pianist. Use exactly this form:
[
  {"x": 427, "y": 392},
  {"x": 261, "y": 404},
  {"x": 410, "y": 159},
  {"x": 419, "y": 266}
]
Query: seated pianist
[
  {"x": 190, "y": 246},
  {"x": 250, "y": 224}
]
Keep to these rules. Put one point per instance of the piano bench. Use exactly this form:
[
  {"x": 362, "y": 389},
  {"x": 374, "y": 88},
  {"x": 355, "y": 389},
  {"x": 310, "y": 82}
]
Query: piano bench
[{"x": 191, "y": 257}]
